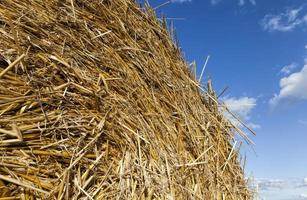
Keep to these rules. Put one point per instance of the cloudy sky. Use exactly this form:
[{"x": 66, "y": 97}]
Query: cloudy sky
[{"x": 258, "y": 50}]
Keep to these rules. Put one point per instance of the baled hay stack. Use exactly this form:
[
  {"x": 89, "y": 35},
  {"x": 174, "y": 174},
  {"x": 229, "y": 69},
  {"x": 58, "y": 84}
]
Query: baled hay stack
[{"x": 96, "y": 102}]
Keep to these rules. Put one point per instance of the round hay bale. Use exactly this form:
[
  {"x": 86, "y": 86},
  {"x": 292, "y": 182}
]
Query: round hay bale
[{"x": 97, "y": 102}]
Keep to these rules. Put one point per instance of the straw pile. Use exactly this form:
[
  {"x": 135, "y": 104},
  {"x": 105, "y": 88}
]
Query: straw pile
[{"x": 96, "y": 102}]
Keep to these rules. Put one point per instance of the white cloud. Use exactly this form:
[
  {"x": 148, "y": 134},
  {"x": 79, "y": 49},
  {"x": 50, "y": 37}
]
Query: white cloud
[
  {"x": 292, "y": 87},
  {"x": 306, "y": 46},
  {"x": 253, "y": 2},
  {"x": 289, "y": 188},
  {"x": 273, "y": 184},
  {"x": 303, "y": 196},
  {"x": 180, "y": 1},
  {"x": 286, "y": 21},
  {"x": 253, "y": 125},
  {"x": 242, "y": 107},
  {"x": 240, "y": 2},
  {"x": 303, "y": 122},
  {"x": 287, "y": 69},
  {"x": 214, "y": 2}
]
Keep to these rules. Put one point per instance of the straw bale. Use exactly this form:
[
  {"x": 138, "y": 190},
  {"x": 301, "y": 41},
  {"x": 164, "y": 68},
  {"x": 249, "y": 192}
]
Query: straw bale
[{"x": 97, "y": 102}]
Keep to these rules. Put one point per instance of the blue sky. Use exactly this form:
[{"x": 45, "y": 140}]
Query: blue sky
[{"x": 258, "y": 49}]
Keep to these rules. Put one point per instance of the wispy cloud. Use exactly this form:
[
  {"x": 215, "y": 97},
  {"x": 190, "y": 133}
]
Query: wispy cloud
[
  {"x": 303, "y": 122},
  {"x": 292, "y": 87},
  {"x": 214, "y": 2},
  {"x": 253, "y": 2},
  {"x": 242, "y": 107},
  {"x": 303, "y": 196},
  {"x": 270, "y": 184},
  {"x": 273, "y": 184},
  {"x": 288, "y": 69},
  {"x": 240, "y": 2},
  {"x": 180, "y": 1},
  {"x": 286, "y": 21},
  {"x": 292, "y": 188}
]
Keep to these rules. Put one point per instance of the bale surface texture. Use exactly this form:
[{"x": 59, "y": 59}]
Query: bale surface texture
[{"x": 97, "y": 102}]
